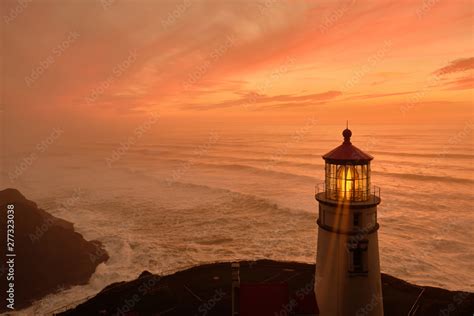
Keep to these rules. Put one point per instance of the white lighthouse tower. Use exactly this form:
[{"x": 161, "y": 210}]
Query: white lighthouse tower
[{"x": 348, "y": 279}]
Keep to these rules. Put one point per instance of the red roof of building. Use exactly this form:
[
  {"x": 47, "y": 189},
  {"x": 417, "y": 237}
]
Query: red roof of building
[
  {"x": 270, "y": 299},
  {"x": 263, "y": 299},
  {"x": 347, "y": 152},
  {"x": 306, "y": 303}
]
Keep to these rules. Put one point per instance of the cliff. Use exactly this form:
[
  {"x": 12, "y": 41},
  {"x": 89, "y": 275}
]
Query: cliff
[
  {"x": 206, "y": 290},
  {"x": 49, "y": 254}
]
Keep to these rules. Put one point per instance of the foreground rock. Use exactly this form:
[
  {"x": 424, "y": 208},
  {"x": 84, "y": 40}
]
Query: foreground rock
[
  {"x": 50, "y": 255},
  {"x": 206, "y": 290}
]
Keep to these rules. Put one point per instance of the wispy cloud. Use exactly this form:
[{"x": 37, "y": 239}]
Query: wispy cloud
[
  {"x": 175, "y": 43},
  {"x": 277, "y": 101},
  {"x": 458, "y": 65},
  {"x": 462, "y": 71},
  {"x": 378, "y": 95},
  {"x": 460, "y": 83}
]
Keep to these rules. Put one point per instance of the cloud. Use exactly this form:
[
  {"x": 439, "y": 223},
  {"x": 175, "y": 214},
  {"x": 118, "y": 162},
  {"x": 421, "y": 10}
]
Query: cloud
[
  {"x": 174, "y": 45},
  {"x": 255, "y": 100},
  {"x": 458, "y": 65},
  {"x": 460, "y": 83},
  {"x": 378, "y": 95},
  {"x": 379, "y": 78},
  {"x": 178, "y": 45},
  {"x": 459, "y": 68}
]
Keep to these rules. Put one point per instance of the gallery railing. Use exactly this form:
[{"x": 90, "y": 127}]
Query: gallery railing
[{"x": 352, "y": 195}]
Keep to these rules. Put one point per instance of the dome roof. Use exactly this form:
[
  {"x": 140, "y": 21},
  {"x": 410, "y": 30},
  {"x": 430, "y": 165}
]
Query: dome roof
[{"x": 347, "y": 153}]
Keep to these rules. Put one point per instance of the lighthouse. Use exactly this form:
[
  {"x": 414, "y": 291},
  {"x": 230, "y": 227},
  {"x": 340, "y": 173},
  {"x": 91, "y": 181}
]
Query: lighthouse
[{"x": 348, "y": 268}]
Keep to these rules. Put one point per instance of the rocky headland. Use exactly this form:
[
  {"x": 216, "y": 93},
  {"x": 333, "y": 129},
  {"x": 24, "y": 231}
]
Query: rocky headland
[{"x": 48, "y": 255}]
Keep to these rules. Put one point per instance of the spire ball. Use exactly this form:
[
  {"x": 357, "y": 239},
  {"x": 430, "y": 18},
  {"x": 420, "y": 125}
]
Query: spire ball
[{"x": 347, "y": 135}]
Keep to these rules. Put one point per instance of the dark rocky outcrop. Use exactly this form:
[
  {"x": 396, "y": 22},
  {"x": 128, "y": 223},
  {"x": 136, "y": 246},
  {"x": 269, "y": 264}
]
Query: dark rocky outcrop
[
  {"x": 50, "y": 255},
  {"x": 193, "y": 292}
]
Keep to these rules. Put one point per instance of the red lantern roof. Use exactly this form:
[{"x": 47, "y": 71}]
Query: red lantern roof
[{"x": 347, "y": 153}]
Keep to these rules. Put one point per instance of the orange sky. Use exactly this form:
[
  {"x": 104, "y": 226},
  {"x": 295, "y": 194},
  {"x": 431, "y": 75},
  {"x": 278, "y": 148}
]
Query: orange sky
[{"x": 112, "y": 61}]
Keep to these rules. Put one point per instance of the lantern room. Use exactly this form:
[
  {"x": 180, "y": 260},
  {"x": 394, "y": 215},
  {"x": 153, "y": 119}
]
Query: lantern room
[{"x": 347, "y": 172}]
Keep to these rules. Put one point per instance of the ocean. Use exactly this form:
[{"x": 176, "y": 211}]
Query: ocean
[{"x": 168, "y": 201}]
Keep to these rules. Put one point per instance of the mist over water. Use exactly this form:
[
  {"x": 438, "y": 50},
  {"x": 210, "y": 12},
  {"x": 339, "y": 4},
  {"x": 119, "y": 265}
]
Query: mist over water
[{"x": 207, "y": 196}]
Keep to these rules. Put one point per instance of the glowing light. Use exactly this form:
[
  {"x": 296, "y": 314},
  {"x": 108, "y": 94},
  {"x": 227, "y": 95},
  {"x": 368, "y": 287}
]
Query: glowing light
[{"x": 346, "y": 177}]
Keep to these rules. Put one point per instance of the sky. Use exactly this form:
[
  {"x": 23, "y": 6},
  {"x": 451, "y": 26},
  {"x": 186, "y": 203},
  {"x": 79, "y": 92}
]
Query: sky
[{"x": 108, "y": 64}]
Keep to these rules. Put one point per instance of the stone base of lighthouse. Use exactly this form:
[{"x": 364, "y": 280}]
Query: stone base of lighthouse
[{"x": 348, "y": 280}]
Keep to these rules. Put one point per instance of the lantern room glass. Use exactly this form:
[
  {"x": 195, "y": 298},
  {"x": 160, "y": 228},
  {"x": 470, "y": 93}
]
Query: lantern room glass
[{"x": 348, "y": 181}]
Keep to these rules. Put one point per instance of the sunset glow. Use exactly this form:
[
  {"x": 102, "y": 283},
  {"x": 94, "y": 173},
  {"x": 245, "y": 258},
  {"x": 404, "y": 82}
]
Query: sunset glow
[{"x": 219, "y": 61}]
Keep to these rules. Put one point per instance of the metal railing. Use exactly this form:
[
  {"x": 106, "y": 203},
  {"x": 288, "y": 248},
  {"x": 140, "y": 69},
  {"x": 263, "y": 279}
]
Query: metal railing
[{"x": 355, "y": 196}]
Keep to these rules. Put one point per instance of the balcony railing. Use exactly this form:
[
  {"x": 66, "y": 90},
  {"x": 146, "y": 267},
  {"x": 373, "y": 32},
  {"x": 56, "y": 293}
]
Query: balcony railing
[{"x": 353, "y": 196}]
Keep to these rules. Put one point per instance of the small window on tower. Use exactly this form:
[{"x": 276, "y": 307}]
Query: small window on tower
[
  {"x": 356, "y": 219},
  {"x": 358, "y": 256},
  {"x": 357, "y": 260}
]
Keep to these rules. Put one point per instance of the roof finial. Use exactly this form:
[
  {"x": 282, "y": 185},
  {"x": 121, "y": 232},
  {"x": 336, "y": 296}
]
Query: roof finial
[{"x": 347, "y": 133}]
